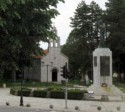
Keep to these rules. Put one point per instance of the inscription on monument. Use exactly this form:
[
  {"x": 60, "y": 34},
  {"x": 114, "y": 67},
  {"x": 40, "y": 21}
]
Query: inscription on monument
[
  {"x": 104, "y": 66},
  {"x": 95, "y": 61}
]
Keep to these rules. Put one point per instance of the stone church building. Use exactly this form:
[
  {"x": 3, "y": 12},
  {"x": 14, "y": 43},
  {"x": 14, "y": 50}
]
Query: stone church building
[{"x": 47, "y": 67}]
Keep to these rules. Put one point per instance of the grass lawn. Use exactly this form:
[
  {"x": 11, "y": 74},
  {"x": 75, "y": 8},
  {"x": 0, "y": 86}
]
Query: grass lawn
[
  {"x": 30, "y": 84},
  {"x": 39, "y": 84},
  {"x": 121, "y": 86}
]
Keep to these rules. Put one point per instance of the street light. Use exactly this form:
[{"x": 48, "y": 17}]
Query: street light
[
  {"x": 65, "y": 74},
  {"x": 47, "y": 65},
  {"x": 21, "y": 90}
]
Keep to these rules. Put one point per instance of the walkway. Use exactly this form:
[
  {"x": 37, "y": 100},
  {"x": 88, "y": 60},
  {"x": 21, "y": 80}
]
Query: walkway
[{"x": 59, "y": 104}]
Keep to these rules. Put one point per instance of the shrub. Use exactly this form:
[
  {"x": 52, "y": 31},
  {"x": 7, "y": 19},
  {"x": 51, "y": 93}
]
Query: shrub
[
  {"x": 14, "y": 91},
  {"x": 57, "y": 94},
  {"x": 63, "y": 82},
  {"x": 50, "y": 88},
  {"x": 75, "y": 94},
  {"x": 25, "y": 91},
  {"x": 40, "y": 93},
  {"x": 17, "y": 91}
]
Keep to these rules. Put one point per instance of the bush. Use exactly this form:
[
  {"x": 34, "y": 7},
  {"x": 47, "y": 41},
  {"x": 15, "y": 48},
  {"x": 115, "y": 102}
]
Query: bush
[
  {"x": 54, "y": 92},
  {"x": 25, "y": 91},
  {"x": 14, "y": 91},
  {"x": 57, "y": 94},
  {"x": 75, "y": 94},
  {"x": 40, "y": 93},
  {"x": 17, "y": 91},
  {"x": 63, "y": 82}
]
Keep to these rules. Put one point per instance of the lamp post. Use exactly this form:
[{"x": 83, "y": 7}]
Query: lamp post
[
  {"x": 21, "y": 90},
  {"x": 47, "y": 65}
]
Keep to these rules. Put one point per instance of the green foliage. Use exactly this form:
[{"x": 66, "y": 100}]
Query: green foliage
[
  {"x": 40, "y": 93},
  {"x": 13, "y": 91},
  {"x": 76, "y": 94},
  {"x": 53, "y": 93},
  {"x": 54, "y": 88},
  {"x": 57, "y": 94},
  {"x": 121, "y": 86},
  {"x": 25, "y": 91},
  {"x": 17, "y": 91},
  {"x": 29, "y": 84},
  {"x": 114, "y": 17},
  {"x": 83, "y": 38},
  {"x": 74, "y": 81},
  {"x": 23, "y": 24}
]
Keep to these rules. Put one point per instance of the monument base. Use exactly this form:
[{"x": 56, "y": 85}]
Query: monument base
[
  {"x": 104, "y": 90},
  {"x": 104, "y": 98}
]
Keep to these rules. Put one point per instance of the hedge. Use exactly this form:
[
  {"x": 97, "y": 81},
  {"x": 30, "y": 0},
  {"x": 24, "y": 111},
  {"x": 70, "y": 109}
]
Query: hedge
[
  {"x": 17, "y": 91},
  {"x": 76, "y": 94},
  {"x": 72, "y": 94},
  {"x": 13, "y": 91},
  {"x": 40, "y": 93},
  {"x": 25, "y": 91},
  {"x": 57, "y": 94}
]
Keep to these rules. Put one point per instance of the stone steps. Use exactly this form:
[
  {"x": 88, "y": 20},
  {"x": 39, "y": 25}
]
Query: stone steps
[{"x": 98, "y": 90}]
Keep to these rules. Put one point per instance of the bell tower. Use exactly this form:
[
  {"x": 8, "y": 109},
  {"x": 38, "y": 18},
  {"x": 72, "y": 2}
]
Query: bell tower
[{"x": 53, "y": 43}]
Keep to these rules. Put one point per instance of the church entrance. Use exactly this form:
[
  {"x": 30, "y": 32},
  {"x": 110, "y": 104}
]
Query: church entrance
[{"x": 54, "y": 74}]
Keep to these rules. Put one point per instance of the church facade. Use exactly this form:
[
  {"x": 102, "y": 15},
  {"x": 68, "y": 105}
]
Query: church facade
[
  {"x": 51, "y": 63},
  {"x": 47, "y": 67}
]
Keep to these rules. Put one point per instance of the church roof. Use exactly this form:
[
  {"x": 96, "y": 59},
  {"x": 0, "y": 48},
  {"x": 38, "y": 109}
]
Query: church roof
[{"x": 39, "y": 56}]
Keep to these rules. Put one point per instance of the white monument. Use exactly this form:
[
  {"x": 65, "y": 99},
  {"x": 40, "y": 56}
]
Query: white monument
[{"x": 102, "y": 69}]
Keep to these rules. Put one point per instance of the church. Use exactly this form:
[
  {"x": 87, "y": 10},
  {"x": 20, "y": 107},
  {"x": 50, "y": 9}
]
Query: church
[{"x": 47, "y": 67}]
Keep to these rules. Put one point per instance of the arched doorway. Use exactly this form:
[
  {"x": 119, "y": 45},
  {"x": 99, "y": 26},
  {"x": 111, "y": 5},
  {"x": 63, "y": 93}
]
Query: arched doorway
[{"x": 54, "y": 74}]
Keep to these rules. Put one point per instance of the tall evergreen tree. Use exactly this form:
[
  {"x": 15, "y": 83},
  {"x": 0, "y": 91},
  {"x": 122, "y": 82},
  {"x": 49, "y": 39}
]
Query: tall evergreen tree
[
  {"x": 84, "y": 37},
  {"x": 115, "y": 18}
]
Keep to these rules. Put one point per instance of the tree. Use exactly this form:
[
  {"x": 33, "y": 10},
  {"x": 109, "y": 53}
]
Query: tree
[
  {"x": 116, "y": 28},
  {"x": 23, "y": 24},
  {"x": 84, "y": 37}
]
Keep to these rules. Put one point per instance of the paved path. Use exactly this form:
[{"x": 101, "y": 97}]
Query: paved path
[
  {"x": 19, "y": 109},
  {"x": 59, "y": 104}
]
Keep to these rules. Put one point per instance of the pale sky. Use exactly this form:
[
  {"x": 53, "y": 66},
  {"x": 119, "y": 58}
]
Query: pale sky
[{"x": 62, "y": 21}]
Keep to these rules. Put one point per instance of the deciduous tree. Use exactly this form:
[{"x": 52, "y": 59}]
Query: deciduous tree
[{"x": 23, "y": 24}]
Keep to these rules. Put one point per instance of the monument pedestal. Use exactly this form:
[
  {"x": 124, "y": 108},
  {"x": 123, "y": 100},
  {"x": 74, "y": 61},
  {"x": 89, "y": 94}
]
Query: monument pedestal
[{"x": 110, "y": 91}]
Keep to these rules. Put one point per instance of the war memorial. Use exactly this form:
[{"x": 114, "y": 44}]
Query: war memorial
[{"x": 102, "y": 69}]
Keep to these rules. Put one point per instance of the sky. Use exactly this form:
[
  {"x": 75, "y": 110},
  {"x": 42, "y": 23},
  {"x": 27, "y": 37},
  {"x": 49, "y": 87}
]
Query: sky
[{"x": 62, "y": 21}]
